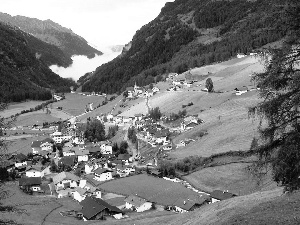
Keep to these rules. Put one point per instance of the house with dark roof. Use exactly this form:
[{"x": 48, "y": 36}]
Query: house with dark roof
[
  {"x": 218, "y": 195},
  {"x": 102, "y": 174},
  {"x": 95, "y": 209},
  {"x": 36, "y": 147},
  {"x": 32, "y": 183},
  {"x": 190, "y": 203},
  {"x": 65, "y": 180},
  {"x": 136, "y": 203},
  {"x": 67, "y": 161},
  {"x": 119, "y": 202}
]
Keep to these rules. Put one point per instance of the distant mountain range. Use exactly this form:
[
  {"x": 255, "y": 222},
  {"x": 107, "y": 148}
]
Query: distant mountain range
[
  {"x": 67, "y": 42},
  {"x": 191, "y": 33}
]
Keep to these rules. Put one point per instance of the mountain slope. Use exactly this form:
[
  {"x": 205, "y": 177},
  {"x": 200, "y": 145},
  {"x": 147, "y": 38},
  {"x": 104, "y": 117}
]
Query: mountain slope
[
  {"x": 190, "y": 33},
  {"x": 22, "y": 74},
  {"x": 50, "y": 32}
]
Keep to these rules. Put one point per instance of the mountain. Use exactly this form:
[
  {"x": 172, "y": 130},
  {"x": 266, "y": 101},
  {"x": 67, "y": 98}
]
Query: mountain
[
  {"x": 191, "y": 33},
  {"x": 53, "y": 33},
  {"x": 23, "y": 73}
]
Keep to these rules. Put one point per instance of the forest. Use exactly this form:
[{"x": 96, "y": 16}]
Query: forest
[
  {"x": 23, "y": 74},
  {"x": 242, "y": 27}
]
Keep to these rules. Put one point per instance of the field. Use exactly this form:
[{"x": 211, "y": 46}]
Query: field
[
  {"x": 232, "y": 177},
  {"x": 154, "y": 189},
  {"x": 268, "y": 207},
  {"x": 14, "y": 108},
  {"x": 75, "y": 104}
]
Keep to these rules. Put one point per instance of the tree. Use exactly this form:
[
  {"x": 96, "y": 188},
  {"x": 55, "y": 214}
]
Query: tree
[
  {"x": 209, "y": 85},
  {"x": 123, "y": 147},
  {"x": 280, "y": 91},
  {"x": 95, "y": 131},
  {"x": 53, "y": 166},
  {"x": 155, "y": 114}
]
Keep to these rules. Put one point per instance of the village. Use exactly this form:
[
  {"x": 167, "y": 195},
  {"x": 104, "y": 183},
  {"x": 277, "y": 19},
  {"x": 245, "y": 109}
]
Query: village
[
  {"x": 70, "y": 162},
  {"x": 66, "y": 165}
]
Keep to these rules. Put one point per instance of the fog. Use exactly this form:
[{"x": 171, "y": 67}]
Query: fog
[{"x": 81, "y": 64}]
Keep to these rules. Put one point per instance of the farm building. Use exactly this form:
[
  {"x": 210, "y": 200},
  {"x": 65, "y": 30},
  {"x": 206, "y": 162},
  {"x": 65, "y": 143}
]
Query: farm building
[
  {"x": 218, "y": 195},
  {"x": 136, "y": 203},
  {"x": 95, "y": 209}
]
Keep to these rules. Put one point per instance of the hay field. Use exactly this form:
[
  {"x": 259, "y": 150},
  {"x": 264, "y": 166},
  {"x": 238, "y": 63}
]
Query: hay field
[
  {"x": 232, "y": 177},
  {"x": 14, "y": 108},
  {"x": 151, "y": 188}
]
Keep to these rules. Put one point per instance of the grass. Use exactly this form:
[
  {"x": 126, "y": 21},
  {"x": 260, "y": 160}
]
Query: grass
[
  {"x": 153, "y": 189},
  {"x": 232, "y": 177},
  {"x": 14, "y": 108}
]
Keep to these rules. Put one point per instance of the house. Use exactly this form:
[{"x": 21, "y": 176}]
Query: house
[
  {"x": 68, "y": 152},
  {"x": 82, "y": 155},
  {"x": 218, "y": 195},
  {"x": 240, "y": 91},
  {"x": 118, "y": 202},
  {"x": 102, "y": 174},
  {"x": 136, "y": 203},
  {"x": 64, "y": 180},
  {"x": 36, "y": 147},
  {"x": 33, "y": 172},
  {"x": 67, "y": 161},
  {"x": 148, "y": 93},
  {"x": 32, "y": 183},
  {"x": 138, "y": 116},
  {"x": 61, "y": 193},
  {"x": 110, "y": 117},
  {"x": 79, "y": 194},
  {"x": 240, "y": 55},
  {"x": 190, "y": 203},
  {"x": 95, "y": 209},
  {"x": 47, "y": 144},
  {"x": 124, "y": 157},
  {"x": 106, "y": 149},
  {"x": 155, "y": 89},
  {"x": 188, "y": 125}
]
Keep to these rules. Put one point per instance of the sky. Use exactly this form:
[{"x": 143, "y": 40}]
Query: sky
[{"x": 101, "y": 22}]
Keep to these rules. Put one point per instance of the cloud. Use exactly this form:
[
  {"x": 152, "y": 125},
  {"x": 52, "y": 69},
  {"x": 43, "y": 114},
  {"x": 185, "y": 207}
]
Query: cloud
[{"x": 81, "y": 65}]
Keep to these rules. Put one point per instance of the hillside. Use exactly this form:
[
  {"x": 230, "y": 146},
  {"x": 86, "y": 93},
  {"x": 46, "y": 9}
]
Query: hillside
[
  {"x": 191, "y": 33},
  {"x": 54, "y": 34},
  {"x": 23, "y": 74}
]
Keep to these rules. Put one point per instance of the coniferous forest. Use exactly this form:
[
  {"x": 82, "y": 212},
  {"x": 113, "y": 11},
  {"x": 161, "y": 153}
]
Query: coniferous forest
[
  {"x": 173, "y": 41},
  {"x": 23, "y": 73}
]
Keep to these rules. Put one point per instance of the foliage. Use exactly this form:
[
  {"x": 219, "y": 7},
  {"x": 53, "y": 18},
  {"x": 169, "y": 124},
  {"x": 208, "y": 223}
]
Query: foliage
[
  {"x": 132, "y": 135},
  {"x": 23, "y": 76},
  {"x": 95, "y": 131},
  {"x": 170, "y": 43},
  {"x": 3, "y": 174},
  {"x": 155, "y": 114},
  {"x": 123, "y": 147},
  {"x": 279, "y": 110},
  {"x": 209, "y": 85},
  {"x": 112, "y": 131}
]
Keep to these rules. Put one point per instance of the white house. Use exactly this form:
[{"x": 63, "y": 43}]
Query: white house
[
  {"x": 155, "y": 89},
  {"x": 106, "y": 149},
  {"x": 79, "y": 194},
  {"x": 33, "y": 172},
  {"x": 240, "y": 91},
  {"x": 102, "y": 174},
  {"x": 36, "y": 147},
  {"x": 240, "y": 55},
  {"x": 136, "y": 203},
  {"x": 68, "y": 152},
  {"x": 110, "y": 117},
  {"x": 19, "y": 164},
  {"x": 82, "y": 154},
  {"x": 65, "y": 180}
]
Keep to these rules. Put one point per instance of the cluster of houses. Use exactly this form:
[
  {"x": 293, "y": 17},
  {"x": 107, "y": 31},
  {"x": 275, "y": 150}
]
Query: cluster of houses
[{"x": 136, "y": 91}]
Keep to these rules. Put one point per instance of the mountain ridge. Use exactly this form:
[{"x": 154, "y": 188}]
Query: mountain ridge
[
  {"x": 52, "y": 33},
  {"x": 188, "y": 34}
]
